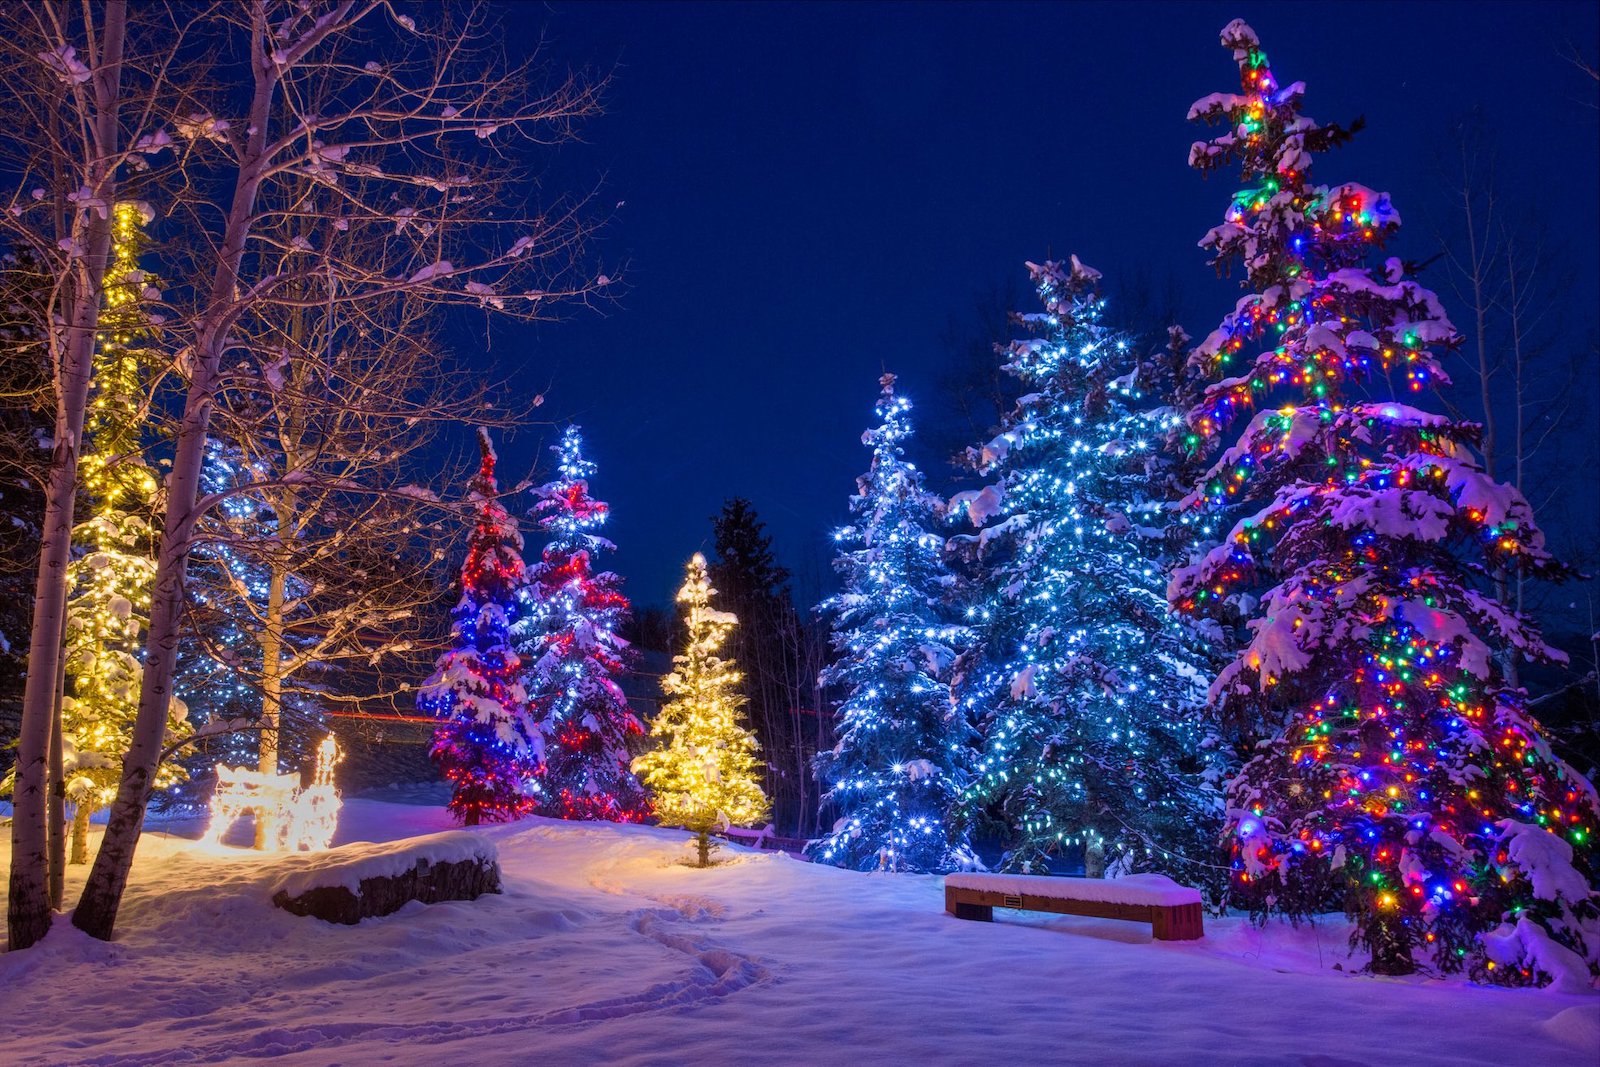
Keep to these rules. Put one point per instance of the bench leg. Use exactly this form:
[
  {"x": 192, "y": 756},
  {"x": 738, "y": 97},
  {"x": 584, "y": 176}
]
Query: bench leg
[
  {"x": 980, "y": 912},
  {"x": 1182, "y": 923}
]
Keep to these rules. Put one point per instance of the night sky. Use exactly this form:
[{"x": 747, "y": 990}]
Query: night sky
[{"x": 812, "y": 193}]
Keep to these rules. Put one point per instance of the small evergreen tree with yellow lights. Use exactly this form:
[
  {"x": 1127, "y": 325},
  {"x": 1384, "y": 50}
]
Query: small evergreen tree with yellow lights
[
  {"x": 704, "y": 771},
  {"x": 109, "y": 581},
  {"x": 1403, "y": 775}
]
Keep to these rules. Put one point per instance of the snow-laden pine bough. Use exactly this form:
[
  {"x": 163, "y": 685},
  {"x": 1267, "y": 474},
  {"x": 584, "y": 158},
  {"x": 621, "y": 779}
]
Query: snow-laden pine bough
[{"x": 1172, "y": 910}]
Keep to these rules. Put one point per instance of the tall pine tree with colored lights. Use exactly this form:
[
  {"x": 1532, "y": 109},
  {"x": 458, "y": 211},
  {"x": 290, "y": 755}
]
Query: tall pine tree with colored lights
[
  {"x": 109, "y": 581},
  {"x": 703, "y": 772},
  {"x": 1089, "y": 692},
  {"x": 1402, "y": 775},
  {"x": 898, "y": 763},
  {"x": 571, "y": 654},
  {"x": 488, "y": 747}
]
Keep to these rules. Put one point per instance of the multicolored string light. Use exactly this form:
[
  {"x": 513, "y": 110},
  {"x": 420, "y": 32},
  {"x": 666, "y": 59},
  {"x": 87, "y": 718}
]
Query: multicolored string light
[{"x": 1404, "y": 774}]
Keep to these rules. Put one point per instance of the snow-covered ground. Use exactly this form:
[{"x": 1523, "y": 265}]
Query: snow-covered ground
[{"x": 605, "y": 948}]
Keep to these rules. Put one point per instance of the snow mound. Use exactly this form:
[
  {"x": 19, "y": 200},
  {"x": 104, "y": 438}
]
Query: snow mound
[
  {"x": 347, "y": 865},
  {"x": 604, "y": 948},
  {"x": 1577, "y": 1026}
]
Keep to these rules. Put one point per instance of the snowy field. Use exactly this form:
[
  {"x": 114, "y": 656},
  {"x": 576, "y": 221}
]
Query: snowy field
[{"x": 605, "y": 949}]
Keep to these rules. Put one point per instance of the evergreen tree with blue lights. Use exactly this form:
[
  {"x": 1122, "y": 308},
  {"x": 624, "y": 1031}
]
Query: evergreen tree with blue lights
[
  {"x": 229, "y": 587},
  {"x": 1403, "y": 775},
  {"x": 567, "y": 640},
  {"x": 218, "y": 657},
  {"x": 487, "y": 746},
  {"x": 897, "y": 766},
  {"x": 1088, "y": 691}
]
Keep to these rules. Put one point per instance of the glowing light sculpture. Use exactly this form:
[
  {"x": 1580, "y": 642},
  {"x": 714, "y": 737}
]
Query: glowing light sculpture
[
  {"x": 899, "y": 759},
  {"x": 704, "y": 772},
  {"x": 487, "y": 745},
  {"x": 1086, "y": 688},
  {"x": 297, "y": 819},
  {"x": 566, "y": 638},
  {"x": 1401, "y": 776}
]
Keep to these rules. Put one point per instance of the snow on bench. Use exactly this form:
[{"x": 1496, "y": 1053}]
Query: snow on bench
[
  {"x": 363, "y": 880},
  {"x": 1172, "y": 910}
]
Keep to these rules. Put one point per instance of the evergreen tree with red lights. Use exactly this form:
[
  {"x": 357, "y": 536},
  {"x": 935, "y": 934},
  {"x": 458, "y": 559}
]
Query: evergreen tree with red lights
[
  {"x": 1402, "y": 776},
  {"x": 567, "y": 639},
  {"x": 487, "y": 746}
]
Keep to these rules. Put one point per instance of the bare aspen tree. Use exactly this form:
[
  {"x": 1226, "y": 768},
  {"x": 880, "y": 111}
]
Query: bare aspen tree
[
  {"x": 408, "y": 130},
  {"x": 1543, "y": 381},
  {"x": 64, "y": 76},
  {"x": 1475, "y": 260},
  {"x": 1501, "y": 268},
  {"x": 318, "y": 546}
]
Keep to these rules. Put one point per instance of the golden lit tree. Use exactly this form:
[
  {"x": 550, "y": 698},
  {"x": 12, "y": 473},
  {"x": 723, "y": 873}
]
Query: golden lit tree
[
  {"x": 704, "y": 769},
  {"x": 110, "y": 578}
]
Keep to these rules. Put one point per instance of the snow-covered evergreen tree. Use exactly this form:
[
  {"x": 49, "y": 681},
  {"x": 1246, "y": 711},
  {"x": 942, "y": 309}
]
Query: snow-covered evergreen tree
[
  {"x": 703, "y": 772},
  {"x": 1087, "y": 689},
  {"x": 488, "y": 746},
  {"x": 566, "y": 638},
  {"x": 1402, "y": 776},
  {"x": 109, "y": 580},
  {"x": 898, "y": 763}
]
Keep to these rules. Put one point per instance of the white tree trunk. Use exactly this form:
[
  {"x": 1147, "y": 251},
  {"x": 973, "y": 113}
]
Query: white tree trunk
[
  {"x": 28, "y": 912},
  {"x": 96, "y": 913},
  {"x": 271, "y": 640}
]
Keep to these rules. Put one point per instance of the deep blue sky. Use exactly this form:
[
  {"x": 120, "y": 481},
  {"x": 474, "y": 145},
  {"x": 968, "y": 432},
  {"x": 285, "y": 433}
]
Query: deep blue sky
[{"x": 812, "y": 192}]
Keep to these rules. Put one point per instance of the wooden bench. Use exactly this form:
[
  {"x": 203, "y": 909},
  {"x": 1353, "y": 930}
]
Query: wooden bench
[
  {"x": 1172, "y": 910},
  {"x": 767, "y": 841}
]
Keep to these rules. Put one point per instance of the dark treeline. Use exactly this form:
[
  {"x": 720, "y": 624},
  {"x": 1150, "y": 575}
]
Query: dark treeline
[{"x": 780, "y": 649}]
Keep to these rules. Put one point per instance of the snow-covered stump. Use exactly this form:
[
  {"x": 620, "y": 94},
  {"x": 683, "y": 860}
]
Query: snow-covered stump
[
  {"x": 362, "y": 881},
  {"x": 1172, "y": 910}
]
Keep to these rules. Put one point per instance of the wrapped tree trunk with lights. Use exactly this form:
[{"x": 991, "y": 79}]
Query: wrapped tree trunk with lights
[
  {"x": 898, "y": 763},
  {"x": 1403, "y": 777},
  {"x": 1088, "y": 691},
  {"x": 488, "y": 747},
  {"x": 704, "y": 772},
  {"x": 566, "y": 638}
]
